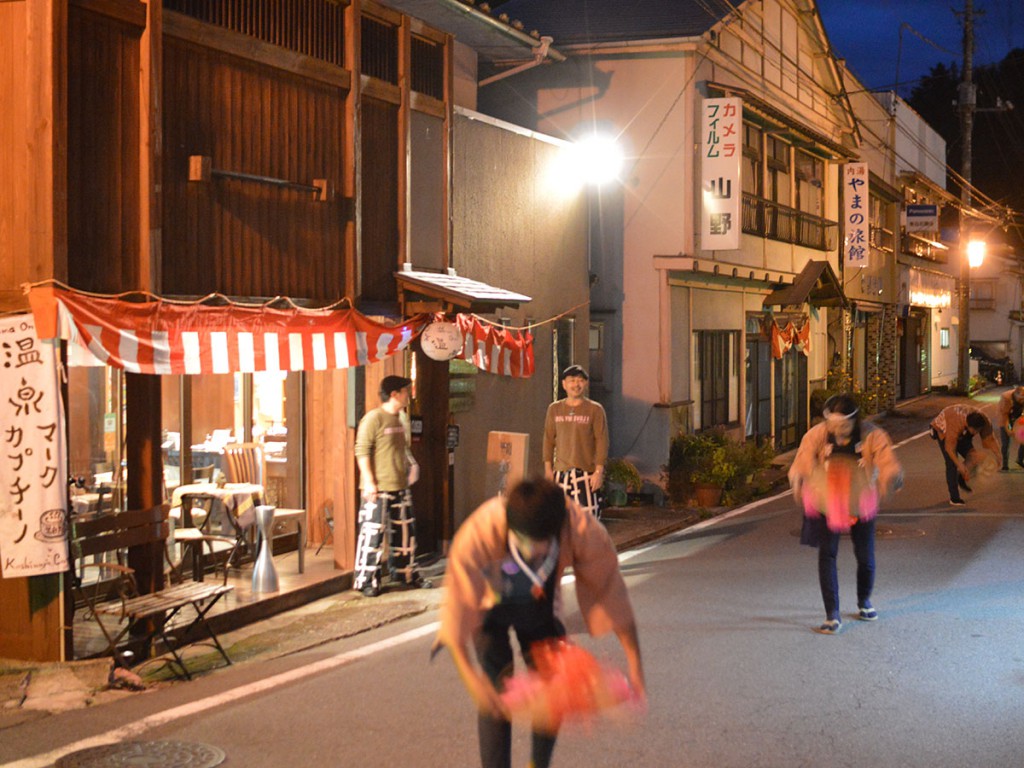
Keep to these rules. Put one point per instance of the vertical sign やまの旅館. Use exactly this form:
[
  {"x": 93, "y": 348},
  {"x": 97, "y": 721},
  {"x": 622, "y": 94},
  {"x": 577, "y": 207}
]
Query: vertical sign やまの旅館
[
  {"x": 33, "y": 462},
  {"x": 855, "y": 213},
  {"x": 721, "y": 192}
]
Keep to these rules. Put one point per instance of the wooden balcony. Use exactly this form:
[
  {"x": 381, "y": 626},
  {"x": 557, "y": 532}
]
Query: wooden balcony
[{"x": 780, "y": 222}]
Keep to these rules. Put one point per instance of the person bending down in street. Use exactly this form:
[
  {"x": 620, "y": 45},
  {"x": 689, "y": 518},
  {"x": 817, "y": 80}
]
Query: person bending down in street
[
  {"x": 954, "y": 429},
  {"x": 386, "y": 470},
  {"x": 1011, "y": 406},
  {"x": 576, "y": 442},
  {"x": 843, "y": 453},
  {"x": 504, "y": 570}
]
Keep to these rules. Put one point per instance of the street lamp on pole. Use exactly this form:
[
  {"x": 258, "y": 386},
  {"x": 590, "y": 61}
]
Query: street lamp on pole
[{"x": 967, "y": 99}]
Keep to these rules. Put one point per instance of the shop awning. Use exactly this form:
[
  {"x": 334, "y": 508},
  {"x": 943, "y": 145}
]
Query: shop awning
[
  {"x": 457, "y": 291},
  {"x": 816, "y": 284},
  {"x": 159, "y": 336}
]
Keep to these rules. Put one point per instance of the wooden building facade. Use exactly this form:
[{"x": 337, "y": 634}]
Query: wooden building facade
[{"x": 244, "y": 148}]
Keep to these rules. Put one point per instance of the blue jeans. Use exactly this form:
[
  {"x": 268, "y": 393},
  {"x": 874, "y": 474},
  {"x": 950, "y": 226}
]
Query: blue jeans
[{"x": 863, "y": 536}]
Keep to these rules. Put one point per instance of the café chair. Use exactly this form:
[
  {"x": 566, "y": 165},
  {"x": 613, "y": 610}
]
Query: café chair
[
  {"x": 329, "y": 523},
  {"x": 206, "y": 522},
  {"x": 243, "y": 463},
  {"x": 203, "y": 474}
]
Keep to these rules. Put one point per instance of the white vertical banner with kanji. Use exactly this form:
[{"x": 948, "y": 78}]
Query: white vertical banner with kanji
[
  {"x": 721, "y": 191},
  {"x": 856, "y": 214},
  {"x": 33, "y": 459}
]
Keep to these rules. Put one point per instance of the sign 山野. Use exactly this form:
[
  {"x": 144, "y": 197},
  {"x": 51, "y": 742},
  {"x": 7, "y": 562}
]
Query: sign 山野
[{"x": 33, "y": 462}]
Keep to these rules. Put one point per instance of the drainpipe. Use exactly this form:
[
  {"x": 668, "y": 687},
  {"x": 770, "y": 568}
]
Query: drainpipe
[{"x": 540, "y": 53}]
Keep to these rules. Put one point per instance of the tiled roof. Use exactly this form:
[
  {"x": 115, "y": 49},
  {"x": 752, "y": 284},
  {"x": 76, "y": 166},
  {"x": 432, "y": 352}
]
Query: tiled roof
[{"x": 597, "y": 21}]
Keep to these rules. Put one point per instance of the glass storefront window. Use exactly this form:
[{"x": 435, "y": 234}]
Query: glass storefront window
[
  {"x": 212, "y": 411},
  {"x": 202, "y": 412},
  {"x": 96, "y": 428}
]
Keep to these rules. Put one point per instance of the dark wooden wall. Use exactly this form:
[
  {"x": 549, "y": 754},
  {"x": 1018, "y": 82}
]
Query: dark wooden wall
[
  {"x": 379, "y": 196},
  {"x": 103, "y": 150},
  {"x": 244, "y": 238}
]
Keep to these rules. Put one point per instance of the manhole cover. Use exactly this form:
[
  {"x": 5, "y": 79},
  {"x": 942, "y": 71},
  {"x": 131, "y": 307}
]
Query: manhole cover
[{"x": 165, "y": 754}]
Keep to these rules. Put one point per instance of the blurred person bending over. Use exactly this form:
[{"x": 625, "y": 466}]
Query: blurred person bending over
[
  {"x": 504, "y": 571},
  {"x": 954, "y": 429},
  {"x": 1011, "y": 407},
  {"x": 865, "y": 470},
  {"x": 576, "y": 442}
]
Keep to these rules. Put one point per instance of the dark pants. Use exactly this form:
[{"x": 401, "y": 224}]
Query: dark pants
[
  {"x": 1007, "y": 439},
  {"x": 863, "y": 536},
  {"x": 494, "y": 651},
  {"x": 953, "y": 480}
]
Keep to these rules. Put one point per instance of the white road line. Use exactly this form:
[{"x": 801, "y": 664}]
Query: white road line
[{"x": 186, "y": 710}]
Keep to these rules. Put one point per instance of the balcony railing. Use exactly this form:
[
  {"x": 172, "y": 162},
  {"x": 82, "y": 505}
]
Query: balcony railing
[{"x": 780, "y": 222}]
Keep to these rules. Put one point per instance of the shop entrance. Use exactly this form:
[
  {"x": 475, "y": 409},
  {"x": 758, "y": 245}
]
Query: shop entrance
[
  {"x": 912, "y": 355},
  {"x": 759, "y": 388},
  {"x": 790, "y": 399}
]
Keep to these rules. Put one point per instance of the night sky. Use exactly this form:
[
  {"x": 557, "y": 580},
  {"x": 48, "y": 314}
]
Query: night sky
[{"x": 867, "y": 34}]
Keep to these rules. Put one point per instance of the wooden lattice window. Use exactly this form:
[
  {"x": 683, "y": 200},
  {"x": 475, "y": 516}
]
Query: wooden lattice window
[
  {"x": 428, "y": 68},
  {"x": 379, "y": 53},
  {"x": 315, "y": 28}
]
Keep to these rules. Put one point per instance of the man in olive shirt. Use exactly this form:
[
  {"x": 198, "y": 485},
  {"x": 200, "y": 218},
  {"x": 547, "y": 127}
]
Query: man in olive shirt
[
  {"x": 386, "y": 470},
  {"x": 576, "y": 442}
]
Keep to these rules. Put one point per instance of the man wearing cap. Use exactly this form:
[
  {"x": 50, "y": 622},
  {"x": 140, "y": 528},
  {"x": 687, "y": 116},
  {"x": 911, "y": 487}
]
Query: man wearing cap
[
  {"x": 386, "y": 470},
  {"x": 576, "y": 442},
  {"x": 954, "y": 429}
]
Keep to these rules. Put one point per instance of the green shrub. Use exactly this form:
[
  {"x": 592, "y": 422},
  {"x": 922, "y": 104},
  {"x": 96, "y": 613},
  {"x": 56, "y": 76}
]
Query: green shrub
[
  {"x": 711, "y": 457},
  {"x": 624, "y": 473}
]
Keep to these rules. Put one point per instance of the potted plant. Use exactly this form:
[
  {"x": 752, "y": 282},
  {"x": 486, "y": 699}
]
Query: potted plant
[
  {"x": 704, "y": 464},
  {"x": 712, "y": 476},
  {"x": 621, "y": 477}
]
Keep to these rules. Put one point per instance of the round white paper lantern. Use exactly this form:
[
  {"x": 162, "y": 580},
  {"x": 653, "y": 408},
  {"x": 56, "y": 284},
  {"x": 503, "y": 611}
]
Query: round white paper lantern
[{"x": 441, "y": 341}]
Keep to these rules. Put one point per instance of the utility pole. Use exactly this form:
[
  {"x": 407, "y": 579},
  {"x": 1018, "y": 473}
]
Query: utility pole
[{"x": 966, "y": 104}]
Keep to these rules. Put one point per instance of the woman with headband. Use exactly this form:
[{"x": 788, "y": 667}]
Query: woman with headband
[{"x": 841, "y": 471}]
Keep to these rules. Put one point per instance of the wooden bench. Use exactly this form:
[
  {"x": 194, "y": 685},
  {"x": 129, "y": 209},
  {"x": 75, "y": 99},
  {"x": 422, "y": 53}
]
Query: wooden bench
[{"x": 117, "y": 597}]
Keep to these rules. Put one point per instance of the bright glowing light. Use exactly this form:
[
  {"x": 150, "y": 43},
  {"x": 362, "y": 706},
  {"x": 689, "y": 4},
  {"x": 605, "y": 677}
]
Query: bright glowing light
[
  {"x": 595, "y": 159},
  {"x": 975, "y": 253},
  {"x": 930, "y": 299}
]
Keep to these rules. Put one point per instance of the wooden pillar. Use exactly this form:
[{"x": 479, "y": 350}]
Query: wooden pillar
[{"x": 145, "y": 489}]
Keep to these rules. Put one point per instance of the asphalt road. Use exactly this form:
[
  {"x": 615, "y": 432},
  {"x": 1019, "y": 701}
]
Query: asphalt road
[{"x": 736, "y": 677}]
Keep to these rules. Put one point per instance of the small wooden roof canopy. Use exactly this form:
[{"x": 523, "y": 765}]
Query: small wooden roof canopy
[
  {"x": 816, "y": 284},
  {"x": 444, "y": 291}
]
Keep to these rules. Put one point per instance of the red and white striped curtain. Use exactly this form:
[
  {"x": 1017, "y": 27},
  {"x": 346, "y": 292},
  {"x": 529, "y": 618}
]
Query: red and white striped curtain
[
  {"x": 783, "y": 339},
  {"x": 495, "y": 349},
  {"x": 161, "y": 337}
]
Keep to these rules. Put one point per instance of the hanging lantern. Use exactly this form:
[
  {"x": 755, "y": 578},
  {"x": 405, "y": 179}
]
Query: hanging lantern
[{"x": 441, "y": 341}]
